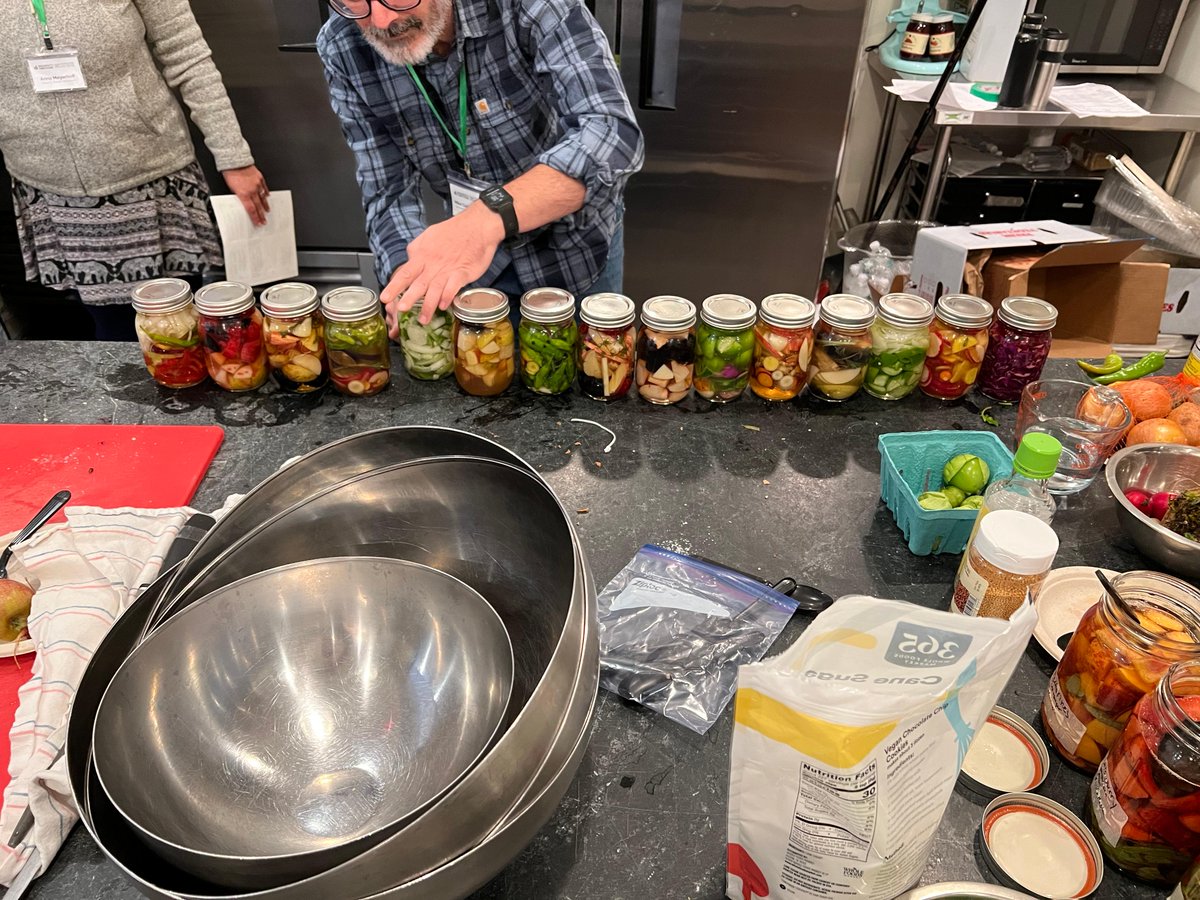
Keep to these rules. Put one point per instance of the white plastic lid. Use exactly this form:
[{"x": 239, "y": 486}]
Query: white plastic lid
[{"x": 1016, "y": 542}]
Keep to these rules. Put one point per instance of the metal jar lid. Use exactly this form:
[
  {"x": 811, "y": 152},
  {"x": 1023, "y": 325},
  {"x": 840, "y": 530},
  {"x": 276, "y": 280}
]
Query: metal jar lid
[
  {"x": 787, "y": 311},
  {"x": 1013, "y": 822},
  {"x": 905, "y": 310},
  {"x": 480, "y": 306},
  {"x": 1006, "y": 755},
  {"x": 606, "y": 311},
  {"x": 289, "y": 300},
  {"x": 728, "y": 311},
  {"x": 224, "y": 298},
  {"x": 349, "y": 304},
  {"x": 1028, "y": 313},
  {"x": 547, "y": 305},
  {"x": 667, "y": 313},
  {"x": 847, "y": 311},
  {"x": 162, "y": 295},
  {"x": 965, "y": 311}
]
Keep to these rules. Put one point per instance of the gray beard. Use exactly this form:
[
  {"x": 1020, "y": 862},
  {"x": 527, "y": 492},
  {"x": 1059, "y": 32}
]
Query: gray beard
[{"x": 415, "y": 50}]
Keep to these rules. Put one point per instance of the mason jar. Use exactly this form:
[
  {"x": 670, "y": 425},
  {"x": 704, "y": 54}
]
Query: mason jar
[
  {"x": 356, "y": 341},
  {"x": 842, "y": 346},
  {"x": 428, "y": 349},
  {"x": 899, "y": 340},
  {"x": 483, "y": 342},
  {"x": 233, "y": 335},
  {"x": 549, "y": 340},
  {"x": 724, "y": 347},
  {"x": 607, "y": 346},
  {"x": 958, "y": 340},
  {"x": 782, "y": 346},
  {"x": 1018, "y": 346},
  {"x": 295, "y": 333},
  {"x": 666, "y": 350},
  {"x": 168, "y": 332}
]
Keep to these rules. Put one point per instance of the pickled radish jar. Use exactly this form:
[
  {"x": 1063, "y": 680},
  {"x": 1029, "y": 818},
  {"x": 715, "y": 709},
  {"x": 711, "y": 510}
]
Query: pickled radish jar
[
  {"x": 842, "y": 347},
  {"x": 607, "y": 346},
  {"x": 783, "y": 342},
  {"x": 232, "y": 327},
  {"x": 168, "y": 332},
  {"x": 356, "y": 341},
  {"x": 295, "y": 331},
  {"x": 958, "y": 340},
  {"x": 899, "y": 342},
  {"x": 483, "y": 342},
  {"x": 1018, "y": 347},
  {"x": 724, "y": 347}
]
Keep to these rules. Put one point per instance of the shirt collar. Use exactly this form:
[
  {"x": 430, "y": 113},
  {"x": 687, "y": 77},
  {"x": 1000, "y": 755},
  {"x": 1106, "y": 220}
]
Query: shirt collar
[{"x": 471, "y": 17}]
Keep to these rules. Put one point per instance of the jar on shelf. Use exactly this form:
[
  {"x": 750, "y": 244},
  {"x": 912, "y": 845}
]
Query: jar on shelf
[
  {"x": 295, "y": 333},
  {"x": 899, "y": 341},
  {"x": 607, "y": 346},
  {"x": 724, "y": 347},
  {"x": 915, "y": 43},
  {"x": 941, "y": 37},
  {"x": 233, "y": 335},
  {"x": 483, "y": 342},
  {"x": 168, "y": 332},
  {"x": 1113, "y": 660},
  {"x": 549, "y": 340},
  {"x": 958, "y": 340},
  {"x": 356, "y": 341},
  {"x": 428, "y": 349},
  {"x": 666, "y": 350},
  {"x": 1018, "y": 346},
  {"x": 783, "y": 342},
  {"x": 842, "y": 346}
]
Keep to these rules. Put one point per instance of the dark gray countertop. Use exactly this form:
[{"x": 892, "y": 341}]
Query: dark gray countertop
[{"x": 775, "y": 490}]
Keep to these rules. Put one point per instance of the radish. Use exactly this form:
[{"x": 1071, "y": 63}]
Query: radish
[
  {"x": 1159, "y": 502},
  {"x": 1140, "y": 499}
]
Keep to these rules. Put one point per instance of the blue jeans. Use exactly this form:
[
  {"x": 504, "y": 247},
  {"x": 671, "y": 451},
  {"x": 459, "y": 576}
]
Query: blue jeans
[{"x": 608, "y": 281}]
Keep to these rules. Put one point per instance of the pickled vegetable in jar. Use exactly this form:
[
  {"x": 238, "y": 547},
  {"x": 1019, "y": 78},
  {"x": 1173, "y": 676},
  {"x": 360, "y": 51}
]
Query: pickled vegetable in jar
[
  {"x": 724, "y": 347},
  {"x": 483, "y": 342},
  {"x": 899, "y": 341},
  {"x": 295, "y": 331},
  {"x": 1018, "y": 346},
  {"x": 356, "y": 341},
  {"x": 1114, "y": 660},
  {"x": 549, "y": 340},
  {"x": 958, "y": 339},
  {"x": 783, "y": 341},
  {"x": 1189, "y": 887},
  {"x": 666, "y": 350},
  {"x": 232, "y": 327},
  {"x": 168, "y": 332},
  {"x": 607, "y": 346},
  {"x": 428, "y": 349},
  {"x": 842, "y": 346}
]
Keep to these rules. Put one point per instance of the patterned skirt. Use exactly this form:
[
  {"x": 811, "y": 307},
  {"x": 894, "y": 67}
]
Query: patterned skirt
[{"x": 102, "y": 246}]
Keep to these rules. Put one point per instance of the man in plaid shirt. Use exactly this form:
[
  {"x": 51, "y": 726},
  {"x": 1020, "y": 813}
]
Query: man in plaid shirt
[{"x": 514, "y": 112}]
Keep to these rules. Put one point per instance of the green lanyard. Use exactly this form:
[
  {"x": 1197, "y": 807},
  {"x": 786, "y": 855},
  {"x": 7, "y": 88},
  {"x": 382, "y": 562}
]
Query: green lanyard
[
  {"x": 460, "y": 142},
  {"x": 39, "y": 10}
]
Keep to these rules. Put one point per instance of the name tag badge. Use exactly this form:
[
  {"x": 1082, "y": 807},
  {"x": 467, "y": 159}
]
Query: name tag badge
[
  {"x": 464, "y": 191},
  {"x": 53, "y": 71}
]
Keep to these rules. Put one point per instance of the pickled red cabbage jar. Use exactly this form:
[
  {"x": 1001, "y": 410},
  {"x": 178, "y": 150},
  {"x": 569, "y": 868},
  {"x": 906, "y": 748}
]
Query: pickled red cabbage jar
[
  {"x": 958, "y": 340},
  {"x": 1018, "y": 345},
  {"x": 232, "y": 328},
  {"x": 168, "y": 332}
]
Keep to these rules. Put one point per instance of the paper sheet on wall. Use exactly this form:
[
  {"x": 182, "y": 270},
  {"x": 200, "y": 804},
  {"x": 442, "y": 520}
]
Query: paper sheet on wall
[
  {"x": 257, "y": 255},
  {"x": 1084, "y": 100}
]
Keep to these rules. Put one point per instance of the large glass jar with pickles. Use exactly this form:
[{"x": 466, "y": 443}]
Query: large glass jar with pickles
[
  {"x": 483, "y": 342},
  {"x": 783, "y": 342},
  {"x": 232, "y": 327},
  {"x": 958, "y": 340},
  {"x": 842, "y": 346},
  {"x": 295, "y": 333},
  {"x": 899, "y": 339},
  {"x": 607, "y": 344},
  {"x": 724, "y": 347},
  {"x": 428, "y": 349},
  {"x": 356, "y": 341},
  {"x": 666, "y": 350},
  {"x": 168, "y": 332},
  {"x": 549, "y": 340}
]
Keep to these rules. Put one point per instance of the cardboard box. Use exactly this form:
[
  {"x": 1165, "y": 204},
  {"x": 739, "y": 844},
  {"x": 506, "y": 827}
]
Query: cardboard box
[{"x": 1181, "y": 305}]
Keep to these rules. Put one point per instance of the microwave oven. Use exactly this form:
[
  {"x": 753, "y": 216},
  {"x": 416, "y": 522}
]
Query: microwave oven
[{"x": 1116, "y": 36}]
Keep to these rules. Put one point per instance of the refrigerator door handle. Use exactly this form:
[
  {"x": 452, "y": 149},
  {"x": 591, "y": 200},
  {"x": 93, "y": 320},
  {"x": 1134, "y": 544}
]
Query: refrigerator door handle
[
  {"x": 607, "y": 14},
  {"x": 662, "y": 20}
]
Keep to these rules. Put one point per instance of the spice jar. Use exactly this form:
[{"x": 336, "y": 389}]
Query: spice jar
[
  {"x": 783, "y": 341},
  {"x": 915, "y": 44},
  {"x": 899, "y": 340},
  {"x": 1144, "y": 803},
  {"x": 958, "y": 340},
  {"x": 1115, "y": 659},
  {"x": 428, "y": 349},
  {"x": 483, "y": 342},
  {"x": 724, "y": 347},
  {"x": 842, "y": 346},
  {"x": 666, "y": 349},
  {"x": 1018, "y": 345},
  {"x": 941, "y": 37},
  {"x": 233, "y": 340},
  {"x": 549, "y": 340},
  {"x": 356, "y": 341},
  {"x": 1006, "y": 559},
  {"x": 295, "y": 333},
  {"x": 607, "y": 346},
  {"x": 168, "y": 332}
]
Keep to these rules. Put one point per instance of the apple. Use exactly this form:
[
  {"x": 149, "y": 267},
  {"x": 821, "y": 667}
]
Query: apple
[{"x": 15, "y": 599}]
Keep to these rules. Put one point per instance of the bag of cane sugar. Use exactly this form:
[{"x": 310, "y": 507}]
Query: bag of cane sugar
[{"x": 847, "y": 745}]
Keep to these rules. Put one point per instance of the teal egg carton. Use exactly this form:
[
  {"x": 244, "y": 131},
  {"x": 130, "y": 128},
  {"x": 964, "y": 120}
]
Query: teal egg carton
[{"x": 911, "y": 462}]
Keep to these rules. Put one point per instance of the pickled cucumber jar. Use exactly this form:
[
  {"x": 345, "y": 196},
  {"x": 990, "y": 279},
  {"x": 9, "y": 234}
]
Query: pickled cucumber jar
[
  {"x": 782, "y": 346},
  {"x": 483, "y": 342},
  {"x": 168, "y": 332},
  {"x": 958, "y": 339},
  {"x": 295, "y": 333},
  {"x": 842, "y": 347},
  {"x": 899, "y": 340},
  {"x": 428, "y": 349},
  {"x": 232, "y": 328},
  {"x": 549, "y": 340},
  {"x": 666, "y": 350},
  {"x": 356, "y": 341},
  {"x": 607, "y": 346},
  {"x": 724, "y": 347}
]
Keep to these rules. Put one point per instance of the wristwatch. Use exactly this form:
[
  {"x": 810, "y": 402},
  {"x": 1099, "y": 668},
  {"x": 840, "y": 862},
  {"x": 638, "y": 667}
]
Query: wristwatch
[{"x": 500, "y": 201}]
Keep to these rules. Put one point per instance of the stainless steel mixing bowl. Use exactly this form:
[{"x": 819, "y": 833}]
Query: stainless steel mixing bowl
[
  {"x": 293, "y": 718},
  {"x": 1152, "y": 468}
]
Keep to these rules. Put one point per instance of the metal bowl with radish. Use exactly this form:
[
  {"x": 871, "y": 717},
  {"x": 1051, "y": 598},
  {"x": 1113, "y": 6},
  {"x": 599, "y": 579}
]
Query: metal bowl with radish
[{"x": 1142, "y": 479}]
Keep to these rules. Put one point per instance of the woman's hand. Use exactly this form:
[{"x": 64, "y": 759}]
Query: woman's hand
[{"x": 251, "y": 188}]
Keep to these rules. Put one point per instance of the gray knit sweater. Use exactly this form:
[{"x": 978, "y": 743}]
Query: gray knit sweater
[{"x": 127, "y": 128}]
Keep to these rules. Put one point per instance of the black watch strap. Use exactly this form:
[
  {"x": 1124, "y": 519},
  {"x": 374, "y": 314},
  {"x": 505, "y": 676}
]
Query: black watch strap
[{"x": 500, "y": 201}]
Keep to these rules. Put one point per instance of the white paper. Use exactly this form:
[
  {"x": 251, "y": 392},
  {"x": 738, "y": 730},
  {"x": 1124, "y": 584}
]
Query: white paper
[
  {"x": 956, "y": 95},
  {"x": 1085, "y": 100},
  {"x": 257, "y": 254}
]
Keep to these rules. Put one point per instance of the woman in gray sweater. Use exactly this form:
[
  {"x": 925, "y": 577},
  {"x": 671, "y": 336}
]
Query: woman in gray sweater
[{"x": 106, "y": 186}]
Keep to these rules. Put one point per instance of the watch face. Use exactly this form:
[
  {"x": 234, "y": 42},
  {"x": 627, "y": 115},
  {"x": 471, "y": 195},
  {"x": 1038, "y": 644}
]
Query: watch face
[{"x": 494, "y": 196}]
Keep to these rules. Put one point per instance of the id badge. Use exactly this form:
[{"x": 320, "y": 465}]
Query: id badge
[
  {"x": 464, "y": 190},
  {"x": 53, "y": 71}
]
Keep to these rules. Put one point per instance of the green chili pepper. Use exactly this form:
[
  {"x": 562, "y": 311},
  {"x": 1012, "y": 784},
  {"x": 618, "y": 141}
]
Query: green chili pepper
[
  {"x": 1111, "y": 364},
  {"x": 1151, "y": 362},
  {"x": 548, "y": 356}
]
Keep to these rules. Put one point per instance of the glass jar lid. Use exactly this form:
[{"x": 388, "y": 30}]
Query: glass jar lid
[
  {"x": 547, "y": 305},
  {"x": 162, "y": 295},
  {"x": 941, "y": 18},
  {"x": 847, "y": 311},
  {"x": 224, "y": 298},
  {"x": 728, "y": 311},
  {"x": 925, "y": 17},
  {"x": 289, "y": 300},
  {"x": 349, "y": 304},
  {"x": 480, "y": 306},
  {"x": 787, "y": 311},
  {"x": 905, "y": 310},
  {"x": 667, "y": 313},
  {"x": 1028, "y": 313},
  {"x": 606, "y": 311},
  {"x": 965, "y": 311}
]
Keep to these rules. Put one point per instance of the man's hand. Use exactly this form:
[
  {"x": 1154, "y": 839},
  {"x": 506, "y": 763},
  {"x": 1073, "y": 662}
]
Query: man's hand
[
  {"x": 442, "y": 260},
  {"x": 251, "y": 188}
]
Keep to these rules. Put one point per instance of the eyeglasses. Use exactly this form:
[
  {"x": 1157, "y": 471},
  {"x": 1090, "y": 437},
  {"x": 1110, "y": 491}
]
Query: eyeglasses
[{"x": 361, "y": 9}]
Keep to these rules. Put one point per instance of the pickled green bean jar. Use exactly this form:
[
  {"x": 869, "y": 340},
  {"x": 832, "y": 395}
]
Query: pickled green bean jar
[
  {"x": 724, "y": 347},
  {"x": 899, "y": 341},
  {"x": 549, "y": 340}
]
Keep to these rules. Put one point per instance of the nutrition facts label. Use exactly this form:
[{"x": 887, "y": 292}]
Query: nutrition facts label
[{"x": 835, "y": 812}]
